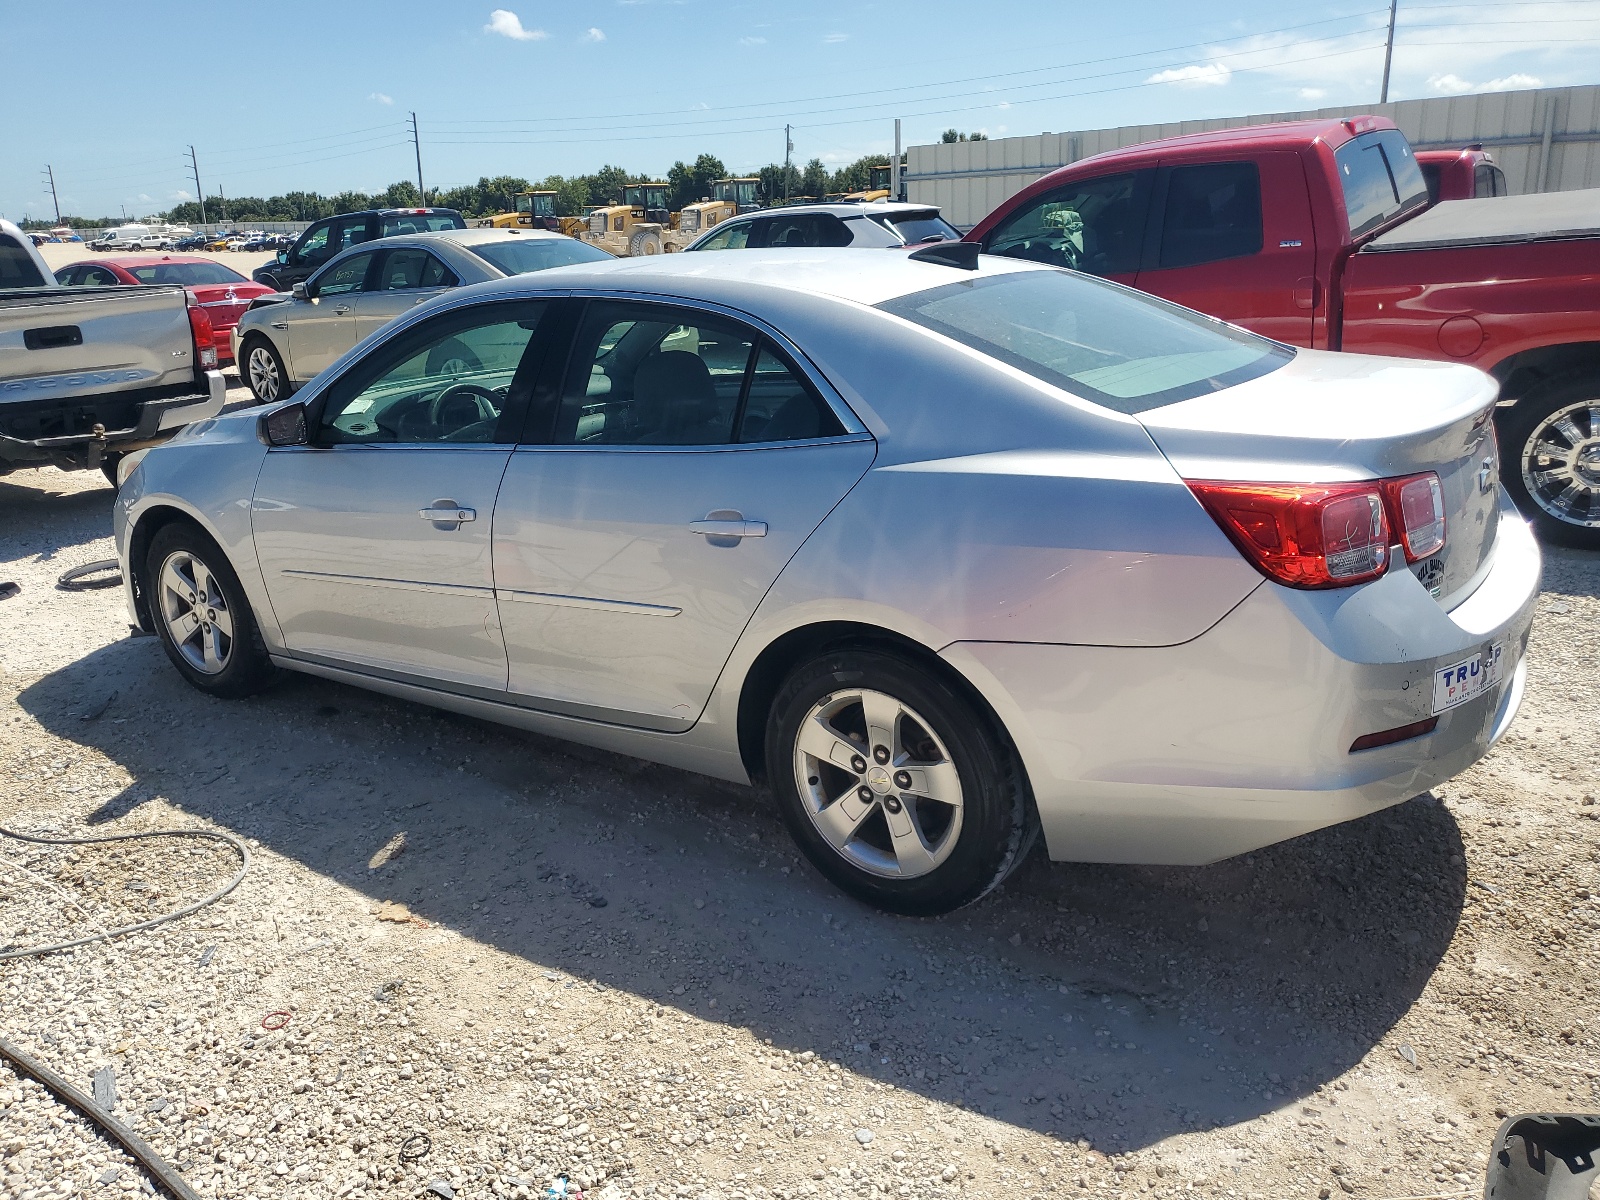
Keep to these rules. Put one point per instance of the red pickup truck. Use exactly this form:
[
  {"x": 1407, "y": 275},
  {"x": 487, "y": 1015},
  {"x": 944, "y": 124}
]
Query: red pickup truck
[{"x": 1322, "y": 234}]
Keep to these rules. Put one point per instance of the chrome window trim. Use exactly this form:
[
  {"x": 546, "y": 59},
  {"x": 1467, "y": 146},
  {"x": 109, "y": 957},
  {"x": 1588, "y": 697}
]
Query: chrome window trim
[{"x": 709, "y": 448}]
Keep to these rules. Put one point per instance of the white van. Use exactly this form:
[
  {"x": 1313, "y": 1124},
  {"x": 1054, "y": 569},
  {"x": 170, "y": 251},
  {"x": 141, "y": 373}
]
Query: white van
[{"x": 123, "y": 237}]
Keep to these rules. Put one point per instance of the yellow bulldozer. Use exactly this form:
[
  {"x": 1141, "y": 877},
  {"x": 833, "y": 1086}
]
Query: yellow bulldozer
[
  {"x": 537, "y": 210},
  {"x": 729, "y": 198},
  {"x": 640, "y": 225},
  {"x": 878, "y": 187}
]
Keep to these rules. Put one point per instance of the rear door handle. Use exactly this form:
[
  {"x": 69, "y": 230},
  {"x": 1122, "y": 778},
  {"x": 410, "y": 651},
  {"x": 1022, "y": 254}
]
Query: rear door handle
[
  {"x": 724, "y": 528},
  {"x": 339, "y": 310}
]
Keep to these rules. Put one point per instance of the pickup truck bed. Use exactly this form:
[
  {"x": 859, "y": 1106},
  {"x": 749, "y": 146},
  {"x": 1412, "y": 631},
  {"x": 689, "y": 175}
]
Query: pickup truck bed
[{"x": 1510, "y": 220}]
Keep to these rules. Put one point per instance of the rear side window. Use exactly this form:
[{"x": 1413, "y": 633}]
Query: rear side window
[
  {"x": 1488, "y": 180},
  {"x": 1096, "y": 226},
  {"x": 17, "y": 268},
  {"x": 923, "y": 226},
  {"x": 420, "y": 223},
  {"x": 1212, "y": 212},
  {"x": 404, "y": 270},
  {"x": 1105, "y": 343},
  {"x": 806, "y": 230},
  {"x": 1381, "y": 179}
]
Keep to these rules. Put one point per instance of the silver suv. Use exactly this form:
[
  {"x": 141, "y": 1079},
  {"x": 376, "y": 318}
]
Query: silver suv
[{"x": 879, "y": 223}]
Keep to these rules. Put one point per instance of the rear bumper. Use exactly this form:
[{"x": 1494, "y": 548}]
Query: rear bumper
[
  {"x": 1241, "y": 738},
  {"x": 156, "y": 421}
]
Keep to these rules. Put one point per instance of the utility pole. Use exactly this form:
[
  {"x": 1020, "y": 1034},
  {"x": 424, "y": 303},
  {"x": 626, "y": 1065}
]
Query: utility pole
[
  {"x": 895, "y": 192},
  {"x": 1388, "y": 52},
  {"x": 416, "y": 143},
  {"x": 788, "y": 149},
  {"x": 198, "y": 190},
  {"x": 50, "y": 174},
  {"x": 222, "y": 203}
]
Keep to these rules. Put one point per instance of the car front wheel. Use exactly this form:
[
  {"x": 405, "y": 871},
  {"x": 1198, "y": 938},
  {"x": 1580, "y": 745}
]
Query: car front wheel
[
  {"x": 894, "y": 783},
  {"x": 264, "y": 371},
  {"x": 202, "y": 615}
]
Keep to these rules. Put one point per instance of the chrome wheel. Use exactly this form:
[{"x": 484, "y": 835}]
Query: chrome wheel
[
  {"x": 262, "y": 366},
  {"x": 195, "y": 612},
  {"x": 1561, "y": 464},
  {"x": 878, "y": 784}
]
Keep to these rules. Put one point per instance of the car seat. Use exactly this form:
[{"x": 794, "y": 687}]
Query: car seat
[{"x": 675, "y": 401}]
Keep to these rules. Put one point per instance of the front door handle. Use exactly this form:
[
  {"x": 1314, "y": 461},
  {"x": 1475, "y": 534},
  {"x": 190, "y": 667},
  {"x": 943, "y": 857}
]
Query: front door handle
[
  {"x": 447, "y": 514},
  {"x": 726, "y": 527}
]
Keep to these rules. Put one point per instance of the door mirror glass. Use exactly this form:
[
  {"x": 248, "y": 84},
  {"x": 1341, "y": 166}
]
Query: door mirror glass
[
  {"x": 284, "y": 426},
  {"x": 300, "y": 291},
  {"x": 283, "y": 258}
]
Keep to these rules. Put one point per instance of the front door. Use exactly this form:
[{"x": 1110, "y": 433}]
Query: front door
[
  {"x": 324, "y": 326},
  {"x": 375, "y": 539},
  {"x": 686, "y": 460},
  {"x": 404, "y": 279}
]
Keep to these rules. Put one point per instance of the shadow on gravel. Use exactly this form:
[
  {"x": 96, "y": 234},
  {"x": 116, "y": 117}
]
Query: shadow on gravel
[{"x": 1120, "y": 1004}]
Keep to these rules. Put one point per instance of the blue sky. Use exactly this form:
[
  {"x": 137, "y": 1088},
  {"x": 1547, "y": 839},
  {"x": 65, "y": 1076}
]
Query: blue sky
[{"x": 299, "y": 95}]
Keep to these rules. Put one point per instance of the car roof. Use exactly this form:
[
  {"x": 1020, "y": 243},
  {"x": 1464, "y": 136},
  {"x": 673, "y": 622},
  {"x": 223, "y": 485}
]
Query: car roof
[
  {"x": 844, "y": 208},
  {"x": 1277, "y": 135},
  {"x": 860, "y": 276}
]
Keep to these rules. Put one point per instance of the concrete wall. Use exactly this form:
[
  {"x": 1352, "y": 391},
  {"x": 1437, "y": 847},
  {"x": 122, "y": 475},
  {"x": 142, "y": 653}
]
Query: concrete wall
[{"x": 1545, "y": 140}]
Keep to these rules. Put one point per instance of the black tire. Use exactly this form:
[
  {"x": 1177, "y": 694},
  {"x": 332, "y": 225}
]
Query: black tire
[
  {"x": 260, "y": 387},
  {"x": 451, "y": 351},
  {"x": 267, "y": 279},
  {"x": 1523, "y": 428},
  {"x": 997, "y": 825},
  {"x": 244, "y": 666}
]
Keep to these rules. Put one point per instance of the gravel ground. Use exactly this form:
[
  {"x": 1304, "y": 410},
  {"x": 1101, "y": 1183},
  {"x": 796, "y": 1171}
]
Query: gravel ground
[{"x": 539, "y": 960}]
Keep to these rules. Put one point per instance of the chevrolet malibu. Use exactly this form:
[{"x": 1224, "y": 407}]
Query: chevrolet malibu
[{"x": 946, "y": 551}]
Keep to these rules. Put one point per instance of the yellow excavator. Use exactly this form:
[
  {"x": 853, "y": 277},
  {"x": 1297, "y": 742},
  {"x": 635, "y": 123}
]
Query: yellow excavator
[
  {"x": 729, "y": 198},
  {"x": 640, "y": 225},
  {"x": 537, "y": 210}
]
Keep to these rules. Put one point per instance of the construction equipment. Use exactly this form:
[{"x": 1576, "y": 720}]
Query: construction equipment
[
  {"x": 537, "y": 210},
  {"x": 729, "y": 198},
  {"x": 640, "y": 225},
  {"x": 879, "y": 180}
]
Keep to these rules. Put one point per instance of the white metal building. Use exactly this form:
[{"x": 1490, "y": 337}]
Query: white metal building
[{"x": 1545, "y": 140}]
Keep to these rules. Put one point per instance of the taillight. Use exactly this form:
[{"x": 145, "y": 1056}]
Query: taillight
[
  {"x": 1417, "y": 507},
  {"x": 205, "y": 345},
  {"x": 1305, "y": 535}
]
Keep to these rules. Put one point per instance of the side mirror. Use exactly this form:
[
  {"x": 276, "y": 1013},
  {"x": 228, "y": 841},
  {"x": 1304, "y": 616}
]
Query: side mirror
[
  {"x": 1544, "y": 1156},
  {"x": 284, "y": 426},
  {"x": 299, "y": 292}
]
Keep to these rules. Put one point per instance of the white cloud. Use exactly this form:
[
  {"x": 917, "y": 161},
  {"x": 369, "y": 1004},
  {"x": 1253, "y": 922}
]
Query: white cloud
[
  {"x": 833, "y": 39},
  {"x": 594, "y": 35},
  {"x": 381, "y": 98},
  {"x": 1194, "y": 75},
  {"x": 752, "y": 41},
  {"x": 1312, "y": 93},
  {"x": 1450, "y": 84},
  {"x": 181, "y": 196},
  {"x": 507, "y": 24},
  {"x": 143, "y": 199},
  {"x": 1513, "y": 83}
]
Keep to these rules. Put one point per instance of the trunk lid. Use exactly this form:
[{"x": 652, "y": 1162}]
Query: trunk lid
[
  {"x": 226, "y": 302},
  {"x": 1325, "y": 418}
]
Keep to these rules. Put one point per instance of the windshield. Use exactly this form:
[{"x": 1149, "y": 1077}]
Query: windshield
[
  {"x": 537, "y": 254},
  {"x": 1105, "y": 343},
  {"x": 921, "y": 226},
  {"x": 1381, "y": 179},
  {"x": 187, "y": 274}
]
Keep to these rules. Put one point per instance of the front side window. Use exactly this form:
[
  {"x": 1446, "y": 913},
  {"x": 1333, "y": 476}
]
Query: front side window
[
  {"x": 345, "y": 276},
  {"x": 17, "y": 268},
  {"x": 314, "y": 249},
  {"x": 404, "y": 270},
  {"x": 730, "y": 237},
  {"x": 1212, "y": 212},
  {"x": 98, "y": 277},
  {"x": 1096, "y": 226},
  {"x": 445, "y": 381},
  {"x": 654, "y": 375},
  {"x": 1118, "y": 348},
  {"x": 1380, "y": 178}
]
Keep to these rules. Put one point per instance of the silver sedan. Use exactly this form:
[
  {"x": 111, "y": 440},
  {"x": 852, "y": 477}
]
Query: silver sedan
[
  {"x": 945, "y": 551},
  {"x": 283, "y": 341}
]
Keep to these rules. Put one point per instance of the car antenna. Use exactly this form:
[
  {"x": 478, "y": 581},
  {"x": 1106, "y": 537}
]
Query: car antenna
[{"x": 962, "y": 255}]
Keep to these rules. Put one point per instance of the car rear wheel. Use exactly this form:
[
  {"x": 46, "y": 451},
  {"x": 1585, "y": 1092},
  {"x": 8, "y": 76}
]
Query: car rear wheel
[
  {"x": 894, "y": 784},
  {"x": 202, "y": 615},
  {"x": 1551, "y": 444},
  {"x": 264, "y": 371}
]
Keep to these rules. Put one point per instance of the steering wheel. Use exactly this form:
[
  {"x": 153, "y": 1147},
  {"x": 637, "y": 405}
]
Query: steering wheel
[{"x": 485, "y": 399}]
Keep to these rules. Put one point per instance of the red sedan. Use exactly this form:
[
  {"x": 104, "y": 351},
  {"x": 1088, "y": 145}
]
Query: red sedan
[{"x": 220, "y": 290}]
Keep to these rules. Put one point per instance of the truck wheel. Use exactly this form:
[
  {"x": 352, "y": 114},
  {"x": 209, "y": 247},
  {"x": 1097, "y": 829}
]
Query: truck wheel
[
  {"x": 643, "y": 243},
  {"x": 1550, "y": 447},
  {"x": 202, "y": 615},
  {"x": 894, "y": 784},
  {"x": 264, "y": 370}
]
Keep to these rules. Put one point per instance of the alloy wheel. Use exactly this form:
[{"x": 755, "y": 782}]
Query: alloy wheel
[
  {"x": 1561, "y": 464},
  {"x": 264, "y": 379},
  {"x": 195, "y": 612},
  {"x": 878, "y": 784}
]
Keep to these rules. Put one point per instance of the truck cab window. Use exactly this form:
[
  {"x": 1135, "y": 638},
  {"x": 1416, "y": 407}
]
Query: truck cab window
[
  {"x": 1096, "y": 225},
  {"x": 1212, "y": 212}
]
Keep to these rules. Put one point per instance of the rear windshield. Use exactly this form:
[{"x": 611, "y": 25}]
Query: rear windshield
[
  {"x": 17, "y": 268},
  {"x": 187, "y": 274},
  {"x": 1381, "y": 179},
  {"x": 395, "y": 223},
  {"x": 536, "y": 254},
  {"x": 1122, "y": 349},
  {"x": 916, "y": 227}
]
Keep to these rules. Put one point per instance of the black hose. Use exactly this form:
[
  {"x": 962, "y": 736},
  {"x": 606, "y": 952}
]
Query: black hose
[{"x": 75, "y": 581}]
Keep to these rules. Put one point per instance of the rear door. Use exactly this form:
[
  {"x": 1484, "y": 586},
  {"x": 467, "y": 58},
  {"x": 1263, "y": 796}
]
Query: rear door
[
  {"x": 682, "y": 464},
  {"x": 1234, "y": 239},
  {"x": 324, "y": 327},
  {"x": 404, "y": 278}
]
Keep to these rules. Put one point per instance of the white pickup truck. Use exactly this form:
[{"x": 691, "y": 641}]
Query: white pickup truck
[{"x": 89, "y": 374}]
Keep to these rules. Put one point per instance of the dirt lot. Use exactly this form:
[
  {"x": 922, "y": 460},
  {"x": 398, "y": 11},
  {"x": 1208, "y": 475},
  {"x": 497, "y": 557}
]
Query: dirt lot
[{"x": 582, "y": 964}]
